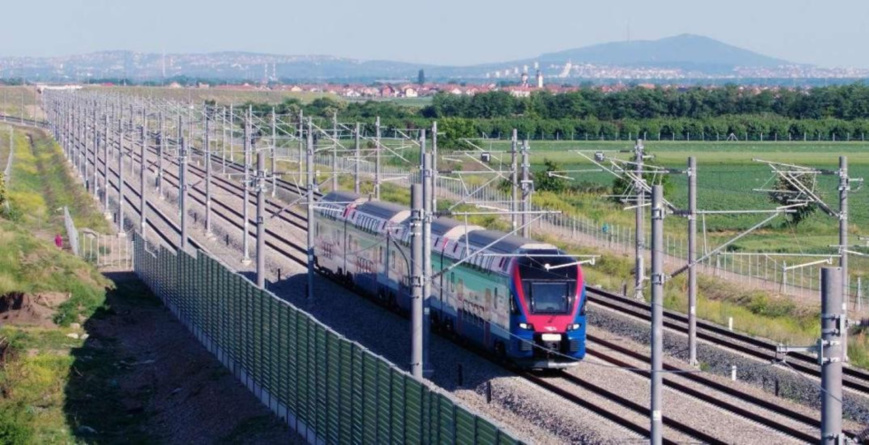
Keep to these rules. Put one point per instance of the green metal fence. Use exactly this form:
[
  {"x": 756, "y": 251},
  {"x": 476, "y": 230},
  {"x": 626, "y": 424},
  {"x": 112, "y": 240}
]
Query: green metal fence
[{"x": 327, "y": 388}]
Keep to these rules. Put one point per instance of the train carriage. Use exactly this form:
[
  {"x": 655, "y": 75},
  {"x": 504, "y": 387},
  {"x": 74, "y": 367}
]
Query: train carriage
[{"x": 519, "y": 298}]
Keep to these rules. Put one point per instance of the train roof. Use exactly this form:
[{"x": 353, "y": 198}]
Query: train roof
[
  {"x": 509, "y": 243},
  {"x": 346, "y": 198},
  {"x": 384, "y": 210},
  {"x": 451, "y": 228}
]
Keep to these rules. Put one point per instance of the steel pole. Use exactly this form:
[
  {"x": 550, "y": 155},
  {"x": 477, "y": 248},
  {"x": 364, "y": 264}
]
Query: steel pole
[
  {"x": 302, "y": 144},
  {"x": 274, "y": 152},
  {"x": 526, "y": 188},
  {"x": 639, "y": 266},
  {"x": 130, "y": 127},
  {"x": 143, "y": 157},
  {"x": 223, "y": 137},
  {"x": 434, "y": 176},
  {"x": 231, "y": 134},
  {"x": 182, "y": 183},
  {"x": 106, "y": 144},
  {"x": 377, "y": 158},
  {"x": 245, "y": 192},
  {"x": 208, "y": 172},
  {"x": 832, "y": 354},
  {"x": 844, "y": 187},
  {"x": 260, "y": 220},
  {"x": 657, "y": 313},
  {"x": 96, "y": 142},
  {"x": 160, "y": 154},
  {"x": 692, "y": 268},
  {"x": 514, "y": 168},
  {"x": 334, "y": 151},
  {"x": 416, "y": 259},
  {"x": 357, "y": 148},
  {"x": 428, "y": 209},
  {"x": 120, "y": 177},
  {"x": 312, "y": 186}
]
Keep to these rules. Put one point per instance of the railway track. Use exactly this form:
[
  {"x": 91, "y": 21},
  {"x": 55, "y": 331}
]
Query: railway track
[
  {"x": 760, "y": 349},
  {"x": 296, "y": 254},
  {"x": 716, "y": 397}
]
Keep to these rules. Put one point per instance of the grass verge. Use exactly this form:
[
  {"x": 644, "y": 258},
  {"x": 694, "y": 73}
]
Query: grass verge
[{"x": 42, "y": 185}]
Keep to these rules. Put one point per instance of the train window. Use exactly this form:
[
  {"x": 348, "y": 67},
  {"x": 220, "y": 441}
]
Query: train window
[
  {"x": 514, "y": 308},
  {"x": 549, "y": 297},
  {"x": 380, "y": 254},
  {"x": 488, "y": 298},
  {"x": 452, "y": 281},
  {"x": 495, "y": 304},
  {"x": 392, "y": 260},
  {"x": 461, "y": 288}
]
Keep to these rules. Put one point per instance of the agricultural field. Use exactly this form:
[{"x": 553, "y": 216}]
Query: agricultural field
[
  {"x": 242, "y": 96},
  {"x": 727, "y": 178},
  {"x": 20, "y": 100}
]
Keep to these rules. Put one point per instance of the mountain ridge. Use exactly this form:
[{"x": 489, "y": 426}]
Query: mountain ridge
[{"x": 684, "y": 53}]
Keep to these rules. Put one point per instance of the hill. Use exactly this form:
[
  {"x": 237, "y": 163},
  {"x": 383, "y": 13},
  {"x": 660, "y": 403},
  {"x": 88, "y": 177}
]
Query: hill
[{"x": 686, "y": 53}]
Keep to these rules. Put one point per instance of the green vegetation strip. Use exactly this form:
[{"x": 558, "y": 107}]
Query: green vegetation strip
[{"x": 41, "y": 186}]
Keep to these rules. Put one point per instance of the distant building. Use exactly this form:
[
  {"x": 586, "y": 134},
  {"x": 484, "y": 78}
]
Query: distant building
[
  {"x": 539, "y": 79},
  {"x": 387, "y": 91}
]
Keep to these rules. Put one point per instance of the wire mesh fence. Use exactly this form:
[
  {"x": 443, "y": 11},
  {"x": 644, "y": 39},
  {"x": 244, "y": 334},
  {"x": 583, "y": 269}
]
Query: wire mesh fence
[
  {"x": 327, "y": 388},
  {"x": 105, "y": 251},
  {"x": 71, "y": 231},
  {"x": 7, "y": 172}
]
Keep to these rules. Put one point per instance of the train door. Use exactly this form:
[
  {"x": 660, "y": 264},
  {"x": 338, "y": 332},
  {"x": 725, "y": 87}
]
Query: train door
[
  {"x": 344, "y": 247},
  {"x": 460, "y": 303},
  {"x": 487, "y": 334}
]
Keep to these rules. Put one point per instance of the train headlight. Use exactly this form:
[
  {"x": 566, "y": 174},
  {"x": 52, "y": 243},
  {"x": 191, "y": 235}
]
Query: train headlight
[
  {"x": 573, "y": 327},
  {"x": 526, "y": 326}
]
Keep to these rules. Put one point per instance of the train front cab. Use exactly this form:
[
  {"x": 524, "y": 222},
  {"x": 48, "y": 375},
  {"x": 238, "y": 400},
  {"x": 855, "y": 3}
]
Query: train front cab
[{"x": 547, "y": 314}]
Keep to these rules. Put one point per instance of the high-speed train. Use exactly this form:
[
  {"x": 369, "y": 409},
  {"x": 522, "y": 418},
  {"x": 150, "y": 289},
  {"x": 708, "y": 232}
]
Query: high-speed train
[{"x": 520, "y": 299}]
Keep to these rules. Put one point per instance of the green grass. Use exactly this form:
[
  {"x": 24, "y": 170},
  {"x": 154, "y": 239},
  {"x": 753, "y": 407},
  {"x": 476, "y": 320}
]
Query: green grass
[
  {"x": 41, "y": 185},
  {"x": 15, "y": 99},
  {"x": 58, "y": 389},
  {"x": 29, "y": 262},
  {"x": 33, "y": 381},
  {"x": 668, "y": 152},
  {"x": 727, "y": 178},
  {"x": 47, "y": 375},
  {"x": 220, "y": 96},
  {"x": 32, "y": 265}
]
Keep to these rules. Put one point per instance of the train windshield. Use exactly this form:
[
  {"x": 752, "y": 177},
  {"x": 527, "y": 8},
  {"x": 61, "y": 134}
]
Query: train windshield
[
  {"x": 549, "y": 297},
  {"x": 549, "y": 289}
]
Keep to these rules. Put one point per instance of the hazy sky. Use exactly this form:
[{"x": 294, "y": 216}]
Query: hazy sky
[{"x": 827, "y": 33}]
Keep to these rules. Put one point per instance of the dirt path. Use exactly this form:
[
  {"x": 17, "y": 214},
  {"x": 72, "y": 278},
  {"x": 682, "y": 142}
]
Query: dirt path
[{"x": 163, "y": 385}]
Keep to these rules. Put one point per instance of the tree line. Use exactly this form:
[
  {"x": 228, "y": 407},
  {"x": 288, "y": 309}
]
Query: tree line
[
  {"x": 829, "y": 113},
  {"x": 845, "y": 102}
]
